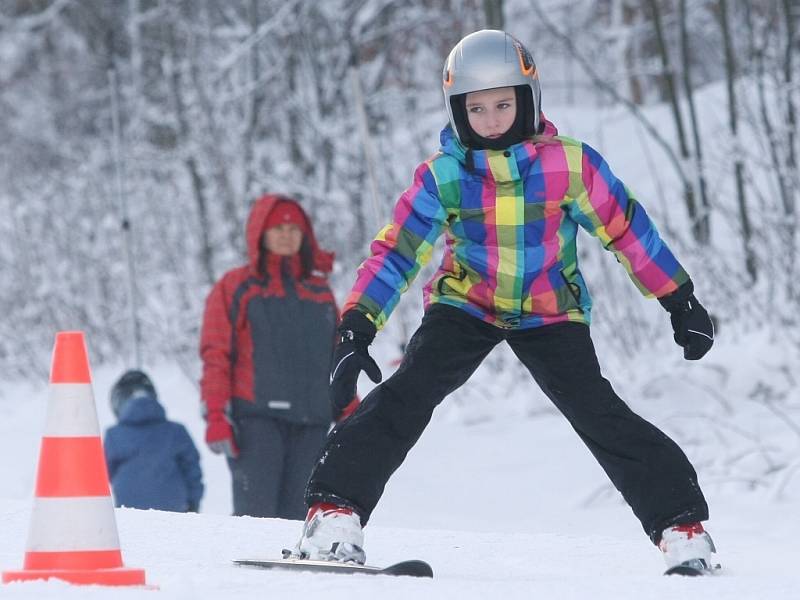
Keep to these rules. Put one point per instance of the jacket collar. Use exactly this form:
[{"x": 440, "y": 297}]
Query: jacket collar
[
  {"x": 499, "y": 165},
  {"x": 278, "y": 266}
]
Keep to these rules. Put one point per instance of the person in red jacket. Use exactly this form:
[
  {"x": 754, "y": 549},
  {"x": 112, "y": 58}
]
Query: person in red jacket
[{"x": 266, "y": 345}]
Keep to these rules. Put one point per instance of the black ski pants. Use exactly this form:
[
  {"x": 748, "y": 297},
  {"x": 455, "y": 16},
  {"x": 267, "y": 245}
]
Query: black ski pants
[
  {"x": 271, "y": 471},
  {"x": 647, "y": 467}
]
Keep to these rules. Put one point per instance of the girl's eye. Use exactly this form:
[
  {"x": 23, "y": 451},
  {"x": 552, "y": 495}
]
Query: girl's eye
[
  {"x": 503, "y": 105},
  {"x": 476, "y": 109}
]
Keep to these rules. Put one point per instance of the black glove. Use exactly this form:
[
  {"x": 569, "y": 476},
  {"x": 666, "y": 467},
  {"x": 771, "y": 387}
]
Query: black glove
[
  {"x": 693, "y": 328},
  {"x": 350, "y": 357}
]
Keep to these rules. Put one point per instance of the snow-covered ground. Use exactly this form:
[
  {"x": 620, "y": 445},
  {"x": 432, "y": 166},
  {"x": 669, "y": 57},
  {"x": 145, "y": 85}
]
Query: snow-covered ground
[
  {"x": 499, "y": 495},
  {"x": 506, "y": 508}
]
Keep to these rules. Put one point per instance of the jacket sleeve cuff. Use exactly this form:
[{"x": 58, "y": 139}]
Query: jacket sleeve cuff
[
  {"x": 678, "y": 299},
  {"x": 357, "y": 322}
]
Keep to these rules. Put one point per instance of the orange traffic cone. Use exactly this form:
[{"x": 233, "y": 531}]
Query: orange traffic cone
[{"x": 73, "y": 534}]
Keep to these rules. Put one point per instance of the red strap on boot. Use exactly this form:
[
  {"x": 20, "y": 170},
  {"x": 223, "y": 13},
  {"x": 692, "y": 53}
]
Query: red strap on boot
[
  {"x": 690, "y": 529},
  {"x": 327, "y": 507}
]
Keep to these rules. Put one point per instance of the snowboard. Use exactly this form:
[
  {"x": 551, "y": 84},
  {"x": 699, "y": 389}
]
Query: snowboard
[
  {"x": 692, "y": 568},
  {"x": 407, "y": 568}
]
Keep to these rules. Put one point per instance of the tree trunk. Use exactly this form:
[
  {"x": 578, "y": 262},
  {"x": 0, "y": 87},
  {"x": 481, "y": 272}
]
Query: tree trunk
[
  {"x": 791, "y": 138},
  {"x": 216, "y": 158},
  {"x": 791, "y": 115},
  {"x": 254, "y": 104},
  {"x": 730, "y": 79},
  {"x": 135, "y": 35},
  {"x": 493, "y": 9},
  {"x": 698, "y": 220},
  {"x": 190, "y": 162},
  {"x": 363, "y": 231},
  {"x": 294, "y": 122},
  {"x": 757, "y": 56},
  {"x": 686, "y": 59},
  {"x": 623, "y": 18}
]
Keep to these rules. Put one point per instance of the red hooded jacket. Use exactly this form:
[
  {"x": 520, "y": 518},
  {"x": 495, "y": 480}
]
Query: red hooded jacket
[{"x": 268, "y": 331}]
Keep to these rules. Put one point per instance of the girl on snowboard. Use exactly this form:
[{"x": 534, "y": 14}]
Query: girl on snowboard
[{"x": 509, "y": 195}]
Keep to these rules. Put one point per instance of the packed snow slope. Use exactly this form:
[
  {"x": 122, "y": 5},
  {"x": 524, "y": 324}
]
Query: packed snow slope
[{"x": 499, "y": 509}]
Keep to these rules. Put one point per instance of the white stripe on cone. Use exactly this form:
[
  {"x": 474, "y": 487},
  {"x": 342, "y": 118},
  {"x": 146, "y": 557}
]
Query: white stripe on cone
[
  {"x": 71, "y": 411},
  {"x": 73, "y": 524}
]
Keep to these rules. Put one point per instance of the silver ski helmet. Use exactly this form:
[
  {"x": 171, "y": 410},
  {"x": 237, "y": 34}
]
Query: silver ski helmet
[{"x": 485, "y": 60}]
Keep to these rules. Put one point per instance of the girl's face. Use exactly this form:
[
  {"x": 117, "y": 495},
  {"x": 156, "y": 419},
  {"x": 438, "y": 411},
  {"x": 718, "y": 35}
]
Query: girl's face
[
  {"x": 283, "y": 240},
  {"x": 491, "y": 112}
]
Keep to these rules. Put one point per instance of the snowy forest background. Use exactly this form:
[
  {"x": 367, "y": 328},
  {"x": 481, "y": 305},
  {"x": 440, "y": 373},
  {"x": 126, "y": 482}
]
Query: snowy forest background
[{"x": 136, "y": 133}]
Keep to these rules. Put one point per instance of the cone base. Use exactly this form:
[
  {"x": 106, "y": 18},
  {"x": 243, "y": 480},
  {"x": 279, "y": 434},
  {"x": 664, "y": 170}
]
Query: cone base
[{"x": 80, "y": 576}]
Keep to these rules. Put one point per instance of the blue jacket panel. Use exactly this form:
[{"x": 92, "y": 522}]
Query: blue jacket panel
[{"x": 152, "y": 462}]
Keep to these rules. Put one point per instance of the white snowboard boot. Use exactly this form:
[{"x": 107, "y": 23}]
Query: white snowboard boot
[
  {"x": 331, "y": 532},
  {"x": 688, "y": 545}
]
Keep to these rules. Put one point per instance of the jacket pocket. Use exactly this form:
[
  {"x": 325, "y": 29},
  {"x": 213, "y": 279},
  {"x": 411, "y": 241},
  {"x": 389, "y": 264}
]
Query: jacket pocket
[
  {"x": 574, "y": 291},
  {"x": 459, "y": 276}
]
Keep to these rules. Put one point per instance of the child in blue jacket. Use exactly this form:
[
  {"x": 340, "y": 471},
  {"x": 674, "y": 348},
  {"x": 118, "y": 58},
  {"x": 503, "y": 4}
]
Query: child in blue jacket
[{"x": 152, "y": 462}]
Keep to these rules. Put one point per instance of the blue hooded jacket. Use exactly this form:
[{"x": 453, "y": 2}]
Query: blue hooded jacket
[{"x": 152, "y": 462}]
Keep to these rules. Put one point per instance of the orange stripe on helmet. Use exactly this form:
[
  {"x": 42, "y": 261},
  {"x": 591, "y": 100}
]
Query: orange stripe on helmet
[
  {"x": 528, "y": 71},
  {"x": 448, "y": 78}
]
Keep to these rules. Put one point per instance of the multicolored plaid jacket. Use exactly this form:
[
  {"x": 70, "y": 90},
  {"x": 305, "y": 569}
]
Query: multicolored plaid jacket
[{"x": 510, "y": 218}]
